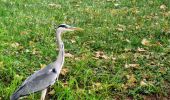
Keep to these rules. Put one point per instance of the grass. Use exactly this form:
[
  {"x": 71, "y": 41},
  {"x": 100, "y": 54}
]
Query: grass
[{"x": 108, "y": 58}]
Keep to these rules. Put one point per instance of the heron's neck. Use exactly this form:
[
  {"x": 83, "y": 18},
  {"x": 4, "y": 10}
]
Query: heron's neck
[
  {"x": 58, "y": 39},
  {"x": 60, "y": 58}
]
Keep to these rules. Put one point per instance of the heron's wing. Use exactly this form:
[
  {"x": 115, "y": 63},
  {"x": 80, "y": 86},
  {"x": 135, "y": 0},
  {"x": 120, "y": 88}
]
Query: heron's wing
[
  {"x": 39, "y": 73},
  {"x": 38, "y": 81}
]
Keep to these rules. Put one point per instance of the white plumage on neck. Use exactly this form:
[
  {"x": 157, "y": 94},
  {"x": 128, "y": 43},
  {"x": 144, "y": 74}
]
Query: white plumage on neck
[{"x": 60, "y": 59}]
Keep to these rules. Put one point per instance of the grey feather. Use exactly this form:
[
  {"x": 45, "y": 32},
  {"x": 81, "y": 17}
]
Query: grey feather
[{"x": 37, "y": 81}]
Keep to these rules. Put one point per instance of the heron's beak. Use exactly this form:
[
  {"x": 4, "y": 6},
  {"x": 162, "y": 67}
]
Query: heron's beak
[{"x": 76, "y": 29}]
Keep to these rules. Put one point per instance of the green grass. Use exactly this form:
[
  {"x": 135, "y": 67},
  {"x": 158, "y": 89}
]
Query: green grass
[{"x": 27, "y": 40}]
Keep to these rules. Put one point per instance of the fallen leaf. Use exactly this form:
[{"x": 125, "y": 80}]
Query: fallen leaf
[
  {"x": 100, "y": 54},
  {"x": 131, "y": 80},
  {"x": 54, "y": 5},
  {"x": 69, "y": 55},
  {"x": 42, "y": 65},
  {"x": 34, "y": 51},
  {"x": 31, "y": 43},
  {"x": 65, "y": 84},
  {"x": 143, "y": 83},
  {"x": 167, "y": 13},
  {"x": 73, "y": 41},
  {"x": 113, "y": 58},
  {"x": 158, "y": 44},
  {"x": 116, "y": 4},
  {"x": 141, "y": 49},
  {"x": 163, "y": 70},
  {"x": 127, "y": 40},
  {"x": 15, "y": 45},
  {"x": 24, "y": 33},
  {"x": 145, "y": 42},
  {"x": 163, "y": 7},
  {"x": 64, "y": 71},
  {"x": 121, "y": 27},
  {"x": 127, "y": 49},
  {"x": 98, "y": 84},
  {"x": 52, "y": 92},
  {"x": 132, "y": 66},
  {"x": 27, "y": 50}
]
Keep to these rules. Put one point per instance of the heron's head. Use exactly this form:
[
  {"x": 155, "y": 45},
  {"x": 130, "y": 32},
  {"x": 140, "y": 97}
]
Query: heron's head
[{"x": 65, "y": 28}]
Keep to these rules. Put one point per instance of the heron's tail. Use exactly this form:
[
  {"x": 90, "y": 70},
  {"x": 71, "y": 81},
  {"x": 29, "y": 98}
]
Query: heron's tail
[{"x": 15, "y": 96}]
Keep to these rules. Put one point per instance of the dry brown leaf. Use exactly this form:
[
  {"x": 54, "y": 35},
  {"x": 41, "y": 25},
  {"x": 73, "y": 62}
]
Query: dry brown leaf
[
  {"x": 132, "y": 66},
  {"x": 121, "y": 27},
  {"x": 73, "y": 41},
  {"x": 143, "y": 83},
  {"x": 127, "y": 40},
  {"x": 163, "y": 7},
  {"x": 34, "y": 51},
  {"x": 127, "y": 49},
  {"x": 113, "y": 58},
  {"x": 31, "y": 43},
  {"x": 162, "y": 70},
  {"x": 145, "y": 42},
  {"x": 65, "y": 84},
  {"x": 54, "y": 5},
  {"x": 98, "y": 84},
  {"x": 52, "y": 92},
  {"x": 158, "y": 44},
  {"x": 100, "y": 54},
  {"x": 69, "y": 55},
  {"x": 15, "y": 45},
  {"x": 141, "y": 49},
  {"x": 167, "y": 13},
  {"x": 64, "y": 71},
  {"x": 24, "y": 33},
  {"x": 131, "y": 80}
]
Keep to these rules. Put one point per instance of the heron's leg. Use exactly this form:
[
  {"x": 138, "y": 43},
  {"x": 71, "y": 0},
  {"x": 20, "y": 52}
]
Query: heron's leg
[{"x": 43, "y": 94}]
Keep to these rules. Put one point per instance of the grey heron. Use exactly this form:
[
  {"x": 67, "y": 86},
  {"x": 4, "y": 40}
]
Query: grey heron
[{"x": 43, "y": 78}]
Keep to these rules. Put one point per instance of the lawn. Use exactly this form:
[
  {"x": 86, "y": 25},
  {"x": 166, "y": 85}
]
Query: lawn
[{"x": 123, "y": 52}]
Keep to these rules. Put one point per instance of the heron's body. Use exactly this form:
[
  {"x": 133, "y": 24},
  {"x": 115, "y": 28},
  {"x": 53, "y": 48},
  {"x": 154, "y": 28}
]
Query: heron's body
[{"x": 45, "y": 77}]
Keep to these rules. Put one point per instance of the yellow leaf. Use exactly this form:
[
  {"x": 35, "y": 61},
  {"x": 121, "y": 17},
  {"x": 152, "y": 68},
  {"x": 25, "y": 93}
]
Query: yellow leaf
[
  {"x": 24, "y": 33},
  {"x": 98, "y": 84},
  {"x": 69, "y": 55},
  {"x": 131, "y": 78},
  {"x": 42, "y": 65},
  {"x": 145, "y": 42},
  {"x": 132, "y": 65},
  {"x": 15, "y": 45},
  {"x": 73, "y": 41},
  {"x": 121, "y": 27},
  {"x": 52, "y": 92},
  {"x": 31, "y": 43},
  {"x": 143, "y": 83},
  {"x": 54, "y": 5},
  {"x": 64, "y": 71},
  {"x": 163, "y": 7},
  {"x": 141, "y": 49},
  {"x": 1, "y": 65}
]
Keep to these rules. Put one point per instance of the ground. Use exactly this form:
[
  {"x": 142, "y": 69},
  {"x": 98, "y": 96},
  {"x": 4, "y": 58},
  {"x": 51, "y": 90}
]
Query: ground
[{"x": 123, "y": 52}]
